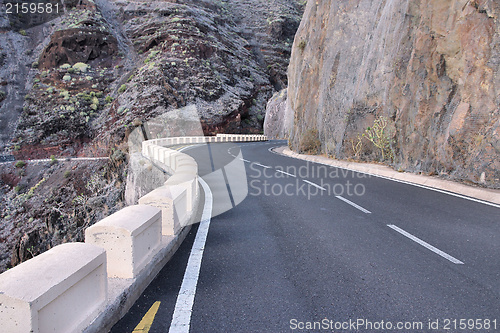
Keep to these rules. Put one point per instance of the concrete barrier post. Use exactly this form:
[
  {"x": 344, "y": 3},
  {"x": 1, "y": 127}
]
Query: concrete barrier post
[
  {"x": 162, "y": 199},
  {"x": 181, "y": 195},
  {"x": 131, "y": 237},
  {"x": 61, "y": 290}
]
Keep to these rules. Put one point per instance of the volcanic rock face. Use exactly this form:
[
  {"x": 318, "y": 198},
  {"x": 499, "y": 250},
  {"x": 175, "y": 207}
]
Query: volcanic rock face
[
  {"x": 78, "y": 84},
  {"x": 278, "y": 123},
  {"x": 137, "y": 60},
  {"x": 78, "y": 45},
  {"x": 426, "y": 69}
]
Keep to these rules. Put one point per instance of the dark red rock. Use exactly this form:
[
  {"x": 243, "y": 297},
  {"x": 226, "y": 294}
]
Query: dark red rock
[{"x": 78, "y": 45}]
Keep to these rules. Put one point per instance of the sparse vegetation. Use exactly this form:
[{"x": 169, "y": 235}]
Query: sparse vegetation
[
  {"x": 302, "y": 45},
  {"x": 310, "y": 142},
  {"x": 380, "y": 137},
  {"x": 80, "y": 66},
  {"x": 357, "y": 146},
  {"x": 122, "y": 88},
  {"x": 53, "y": 160}
]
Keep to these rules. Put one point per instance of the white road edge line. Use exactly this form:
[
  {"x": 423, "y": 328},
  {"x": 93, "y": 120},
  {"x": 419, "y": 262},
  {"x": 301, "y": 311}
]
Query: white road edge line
[
  {"x": 313, "y": 184},
  {"x": 435, "y": 189},
  {"x": 426, "y": 245},
  {"x": 181, "y": 318},
  {"x": 186, "y": 148},
  {"x": 286, "y": 173},
  {"x": 261, "y": 165},
  {"x": 353, "y": 204}
]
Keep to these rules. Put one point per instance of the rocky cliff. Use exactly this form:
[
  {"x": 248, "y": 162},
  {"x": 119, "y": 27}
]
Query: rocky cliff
[
  {"x": 419, "y": 78},
  {"x": 78, "y": 80},
  {"x": 106, "y": 64}
]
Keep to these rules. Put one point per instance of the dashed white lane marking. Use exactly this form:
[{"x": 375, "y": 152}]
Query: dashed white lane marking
[
  {"x": 435, "y": 189},
  {"x": 262, "y": 165},
  {"x": 184, "y": 307},
  {"x": 286, "y": 173},
  {"x": 245, "y": 160},
  {"x": 426, "y": 245},
  {"x": 315, "y": 185},
  {"x": 353, "y": 204}
]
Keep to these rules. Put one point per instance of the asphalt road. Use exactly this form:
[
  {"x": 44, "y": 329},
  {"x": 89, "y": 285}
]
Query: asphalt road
[{"x": 318, "y": 249}]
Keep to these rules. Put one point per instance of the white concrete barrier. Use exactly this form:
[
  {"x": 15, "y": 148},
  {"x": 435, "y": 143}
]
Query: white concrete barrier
[
  {"x": 181, "y": 201},
  {"x": 183, "y": 204},
  {"x": 126, "y": 246},
  {"x": 131, "y": 237},
  {"x": 61, "y": 290},
  {"x": 163, "y": 199},
  {"x": 187, "y": 183},
  {"x": 240, "y": 137}
]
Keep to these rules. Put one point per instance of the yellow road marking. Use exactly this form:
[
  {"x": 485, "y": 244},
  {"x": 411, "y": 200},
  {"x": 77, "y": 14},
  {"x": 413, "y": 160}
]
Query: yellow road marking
[
  {"x": 146, "y": 322},
  {"x": 180, "y": 147}
]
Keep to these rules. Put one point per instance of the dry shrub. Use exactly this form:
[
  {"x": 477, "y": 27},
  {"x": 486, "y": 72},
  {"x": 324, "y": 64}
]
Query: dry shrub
[{"x": 310, "y": 143}]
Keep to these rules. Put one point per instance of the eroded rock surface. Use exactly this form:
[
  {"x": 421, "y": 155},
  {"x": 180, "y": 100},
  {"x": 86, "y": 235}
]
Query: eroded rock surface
[
  {"x": 142, "y": 59},
  {"x": 428, "y": 67},
  {"x": 277, "y": 123},
  {"x": 78, "y": 84}
]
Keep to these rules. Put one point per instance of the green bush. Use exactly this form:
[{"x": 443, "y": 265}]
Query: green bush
[
  {"x": 80, "y": 66},
  {"x": 53, "y": 160},
  {"x": 20, "y": 164},
  {"x": 122, "y": 88}
]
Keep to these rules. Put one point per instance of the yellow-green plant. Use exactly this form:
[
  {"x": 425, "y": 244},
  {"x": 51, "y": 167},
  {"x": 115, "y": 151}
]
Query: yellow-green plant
[
  {"x": 380, "y": 137},
  {"x": 302, "y": 45},
  {"x": 357, "y": 146}
]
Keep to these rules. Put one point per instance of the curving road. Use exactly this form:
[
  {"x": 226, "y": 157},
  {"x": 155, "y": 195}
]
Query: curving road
[{"x": 315, "y": 248}]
